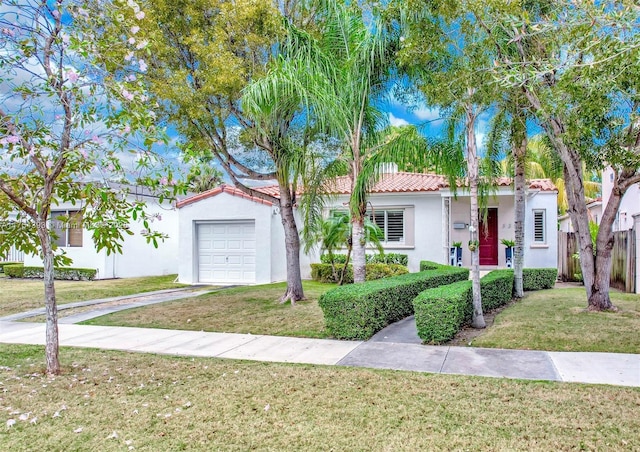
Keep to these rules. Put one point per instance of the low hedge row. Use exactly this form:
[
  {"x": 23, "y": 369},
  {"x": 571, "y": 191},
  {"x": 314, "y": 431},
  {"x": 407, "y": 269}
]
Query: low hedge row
[
  {"x": 64, "y": 273},
  {"x": 4, "y": 264},
  {"x": 387, "y": 258},
  {"x": 440, "y": 312},
  {"x": 358, "y": 311},
  {"x": 429, "y": 265},
  {"x": 324, "y": 272},
  {"x": 539, "y": 278}
]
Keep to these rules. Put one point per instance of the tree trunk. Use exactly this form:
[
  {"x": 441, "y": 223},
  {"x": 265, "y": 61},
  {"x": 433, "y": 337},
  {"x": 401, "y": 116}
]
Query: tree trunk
[
  {"x": 294, "y": 290},
  {"x": 52, "y": 343},
  {"x": 599, "y": 299},
  {"x": 359, "y": 250},
  {"x": 519, "y": 157},
  {"x": 477, "y": 320},
  {"x": 596, "y": 266}
]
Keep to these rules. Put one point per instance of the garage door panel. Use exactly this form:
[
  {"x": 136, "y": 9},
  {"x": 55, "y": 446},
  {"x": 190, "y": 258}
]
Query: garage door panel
[
  {"x": 219, "y": 245},
  {"x": 234, "y": 244},
  {"x": 226, "y": 252},
  {"x": 219, "y": 229},
  {"x": 218, "y": 259}
]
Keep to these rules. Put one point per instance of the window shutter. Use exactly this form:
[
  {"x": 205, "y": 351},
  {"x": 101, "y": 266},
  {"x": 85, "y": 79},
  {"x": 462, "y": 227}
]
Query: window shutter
[
  {"x": 395, "y": 226},
  {"x": 75, "y": 228},
  {"x": 538, "y": 226}
]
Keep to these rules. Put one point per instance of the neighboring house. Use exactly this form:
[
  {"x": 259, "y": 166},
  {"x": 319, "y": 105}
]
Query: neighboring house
[
  {"x": 138, "y": 257},
  {"x": 228, "y": 237},
  {"x": 594, "y": 210},
  {"x": 13, "y": 255},
  {"x": 629, "y": 206}
]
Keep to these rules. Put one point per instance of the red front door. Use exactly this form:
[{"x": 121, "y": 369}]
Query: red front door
[{"x": 489, "y": 238}]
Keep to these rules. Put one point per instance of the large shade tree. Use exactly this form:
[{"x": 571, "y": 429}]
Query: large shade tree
[
  {"x": 201, "y": 55},
  {"x": 577, "y": 66},
  {"x": 67, "y": 124}
]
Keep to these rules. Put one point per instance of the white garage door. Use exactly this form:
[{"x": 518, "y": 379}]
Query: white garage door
[{"x": 227, "y": 252}]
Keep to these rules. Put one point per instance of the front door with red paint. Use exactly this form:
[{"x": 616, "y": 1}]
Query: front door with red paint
[{"x": 489, "y": 238}]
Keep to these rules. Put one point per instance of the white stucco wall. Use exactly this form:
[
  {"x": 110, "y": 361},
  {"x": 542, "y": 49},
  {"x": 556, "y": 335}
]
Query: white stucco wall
[
  {"x": 534, "y": 255},
  {"x": 138, "y": 258},
  {"x": 541, "y": 255},
  {"x": 629, "y": 206},
  {"x": 461, "y": 212},
  {"x": 228, "y": 207},
  {"x": 423, "y": 219}
]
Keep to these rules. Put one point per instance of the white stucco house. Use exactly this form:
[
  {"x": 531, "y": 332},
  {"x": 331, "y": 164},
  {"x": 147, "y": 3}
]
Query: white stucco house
[
  {"x": 138, "y": 257},
  {"x": 629, "y": 206},
  {"x": 228, "y": 237},
  {"x": 594, "y": 210}
]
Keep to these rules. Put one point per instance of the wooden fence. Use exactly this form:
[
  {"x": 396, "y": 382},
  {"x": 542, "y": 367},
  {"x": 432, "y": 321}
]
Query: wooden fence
[{"x": 623, "y": 259}]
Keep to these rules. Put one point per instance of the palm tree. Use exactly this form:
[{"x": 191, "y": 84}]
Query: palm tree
[
  {"x": 336, "y": 234},
  {"x": 354, "y": 68},
  {"x": 203, "y": 177},
  {"x": 544, "y": 163}
]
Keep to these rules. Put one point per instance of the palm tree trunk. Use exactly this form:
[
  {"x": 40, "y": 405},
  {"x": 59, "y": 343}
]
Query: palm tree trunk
[
  {"x": 51, "y": 342},
  {"x": 519, "y": 154},
  {"x": 477, "y": 320},
  {"x": 294, "y": 290},
  {"x": 359, "y": 249}
]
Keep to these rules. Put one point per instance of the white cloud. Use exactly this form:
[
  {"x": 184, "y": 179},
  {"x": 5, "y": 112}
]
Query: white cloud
[
  {"x": 397, "y": 122},
  {"x": 427, "y": 114}
]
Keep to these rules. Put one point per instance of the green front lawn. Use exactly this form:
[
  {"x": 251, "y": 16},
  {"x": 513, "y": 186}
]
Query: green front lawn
[
  {"x": 557, "y": 320},
  {"x": 19, "y": 295},
  {"x": 113, "y": 401},
  {"x": 248, "y": 309}
]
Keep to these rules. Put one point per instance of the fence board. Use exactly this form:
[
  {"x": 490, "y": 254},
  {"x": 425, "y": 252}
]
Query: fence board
[{"x": 623, "y": 259}]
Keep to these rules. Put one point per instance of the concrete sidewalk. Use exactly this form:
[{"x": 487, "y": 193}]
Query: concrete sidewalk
[
  {"x": 602, "y": 368},
  {"x": 125, "y": 302}
]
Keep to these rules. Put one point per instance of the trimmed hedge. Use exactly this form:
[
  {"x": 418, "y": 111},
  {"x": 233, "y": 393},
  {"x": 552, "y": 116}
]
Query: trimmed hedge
[
  {"x": 358, "y": 311},
  {"x": 64, "y": 273},
  {"x": 429, "y": 265},
  {"x": 539, "y": 278},
  {"x": 388, "y": 258},
  {"x": 4, "y": 264},
  {"x": 496, "y": 289},
  {"x": 324, "y": 273},
  {"x": 440, "y": 312}
]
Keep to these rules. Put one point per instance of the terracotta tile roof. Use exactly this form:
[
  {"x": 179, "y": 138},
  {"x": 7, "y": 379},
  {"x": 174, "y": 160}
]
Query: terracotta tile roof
[
  {"x": 393, "y": 183},
  {"x": 222, "y": 189},
  {"x": 389, "y": 183},
  {"x": 542, "y": 185}
]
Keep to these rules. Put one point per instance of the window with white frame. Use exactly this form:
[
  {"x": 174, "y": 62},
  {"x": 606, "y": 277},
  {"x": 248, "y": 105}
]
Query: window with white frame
[
  {"x": 539, "y": 226},
  {"x": 67, "y": 227},
  {"x": 391, "y": 223}
]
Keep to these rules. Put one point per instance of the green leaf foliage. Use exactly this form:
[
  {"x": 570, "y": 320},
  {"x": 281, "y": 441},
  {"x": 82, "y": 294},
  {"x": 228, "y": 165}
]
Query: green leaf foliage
[
  {"x": 539, "y": 278},
  {"x": 325, "y": 272},
  {"x": 388, "y": 258},
  {"x": 440, "y": 312},
  {"x": 62, "y": 273},
  {"x": 358, "y": 311}
]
